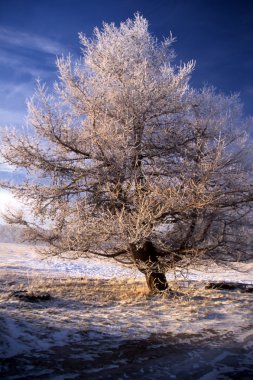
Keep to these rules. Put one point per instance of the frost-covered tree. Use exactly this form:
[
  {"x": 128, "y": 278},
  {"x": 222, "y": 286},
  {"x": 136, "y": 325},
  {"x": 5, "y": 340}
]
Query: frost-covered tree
[{"x": 126, "y": 161}]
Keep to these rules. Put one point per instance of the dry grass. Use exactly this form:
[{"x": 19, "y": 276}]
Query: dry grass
[
  {"x": 91, "y": 316},
  {"x": 123, "y": 308},
  {"x": 188, "y": 306},
  {"x": 78, "y": 288},
  {"x": 128, "y": 291}
]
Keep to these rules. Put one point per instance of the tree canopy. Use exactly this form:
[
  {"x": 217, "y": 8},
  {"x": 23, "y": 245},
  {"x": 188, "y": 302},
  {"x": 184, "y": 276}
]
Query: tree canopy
[{"x": 126, "y": 160}]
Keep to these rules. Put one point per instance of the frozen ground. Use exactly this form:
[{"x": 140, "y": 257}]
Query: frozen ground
[
  {"x": 96, "y": 327},
  {"x": 23, "y": 258},
  {"x": 27, "y": 260}
]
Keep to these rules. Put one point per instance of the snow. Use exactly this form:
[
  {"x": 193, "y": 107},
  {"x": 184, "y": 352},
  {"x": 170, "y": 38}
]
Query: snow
[
  {"x": 207, "y": 336},
  {"x": 29, "y": 261}
]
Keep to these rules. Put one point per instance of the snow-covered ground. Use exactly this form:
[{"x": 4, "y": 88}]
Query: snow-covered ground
[
  {"x": 18, "y": 257},
  {"x": 23, "y": 258},
  {"x": 89, "y": 330}
]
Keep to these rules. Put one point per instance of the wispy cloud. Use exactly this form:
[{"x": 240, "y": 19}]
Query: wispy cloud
[
  {"x": 11, "y": 90},
  {"x": 10, "y": 117},
  {"x": 23, "y": 63},
  {"x": 13, "y": 98},
  {"x": 23, "y": 58},
  {"x": 10, "y": 37}
]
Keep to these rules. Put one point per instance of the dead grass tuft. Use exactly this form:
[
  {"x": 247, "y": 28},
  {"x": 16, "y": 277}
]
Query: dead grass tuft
[{"x": 78, "y": 288}]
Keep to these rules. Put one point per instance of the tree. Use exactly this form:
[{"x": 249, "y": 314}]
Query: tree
[{"x": 127, "y": 161}]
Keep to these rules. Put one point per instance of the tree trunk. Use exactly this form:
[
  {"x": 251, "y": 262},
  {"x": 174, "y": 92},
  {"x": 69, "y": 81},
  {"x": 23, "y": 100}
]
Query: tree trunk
[{"x": 147, "y": 262}]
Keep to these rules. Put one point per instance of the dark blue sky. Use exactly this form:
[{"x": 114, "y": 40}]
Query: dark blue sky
[{"x": 218, "y": 34}]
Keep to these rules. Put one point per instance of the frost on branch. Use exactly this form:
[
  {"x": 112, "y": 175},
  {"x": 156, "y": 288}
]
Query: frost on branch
[{"x": 126, "y": 160}]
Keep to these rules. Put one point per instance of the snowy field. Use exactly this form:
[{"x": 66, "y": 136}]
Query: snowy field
[
  {"x": 95, "y": 326},
  {"x": 23, "y": 258}
]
